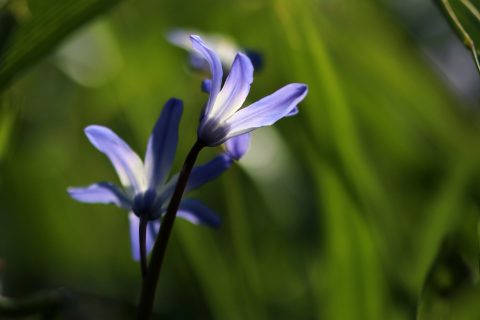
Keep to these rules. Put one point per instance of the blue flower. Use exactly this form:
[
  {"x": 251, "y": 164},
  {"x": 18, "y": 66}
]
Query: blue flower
[
  {"x": 223, "y": 117},
  {"x": 146, "y": 189},
  {"x": 223, "y": 45},
  {"x": 236, "y": 147}
]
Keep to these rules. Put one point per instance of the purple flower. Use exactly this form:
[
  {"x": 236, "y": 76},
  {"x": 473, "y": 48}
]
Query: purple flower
[
  {"x": 146, "y": 189},
  {"x": 224, "y": 116}
]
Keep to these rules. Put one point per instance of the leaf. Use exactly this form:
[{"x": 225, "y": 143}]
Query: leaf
[
  {"x": 464, "y": 16},
  {"x": 41, "y": 29},
  {"x": 353, "y": 259}
]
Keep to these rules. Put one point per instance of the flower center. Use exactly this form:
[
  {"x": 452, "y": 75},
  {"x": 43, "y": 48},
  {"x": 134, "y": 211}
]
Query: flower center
[
  {"x": 146, "y": 203},
  {"x": 212, "y": 132}
]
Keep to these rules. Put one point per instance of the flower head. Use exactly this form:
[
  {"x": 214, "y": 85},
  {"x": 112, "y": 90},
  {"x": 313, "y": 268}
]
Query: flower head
[
  {"x": 146, "y": 187},
  {"x": 225, "y": 47},
  {"x": 224, "y": 116}
]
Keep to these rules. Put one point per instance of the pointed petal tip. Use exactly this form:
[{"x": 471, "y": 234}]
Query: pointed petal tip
[
  {"x": 196, "y": 38},
  {"x": 96, "y": 133},
  {"x": 162, "y": 144},
  {"x": 304, "y": 86},
  {"x": 267, "y": 110},
  {"x": 197, "y": 212},
  {"x": 174, "y": 103},
  {"x": 215, "y": 66},
  {"x": 71, "y": 191},
  {"x": 126, "y": 162},
  {"x": 100, "y": 192},
  {"x": 298, "y": 91},
  {"x": 244, "y": 57},
  {"x": 300, "y": 87},
  {"x": 246, "y": 65},
  {"x": 78, "y": 193},
  {"x": 93, "y": 130}
]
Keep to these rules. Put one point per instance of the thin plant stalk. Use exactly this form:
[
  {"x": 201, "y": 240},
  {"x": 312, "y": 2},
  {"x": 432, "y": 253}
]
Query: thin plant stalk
[
  {"x": 149, "y": 283},
  {"x": 142, "y": 230}
]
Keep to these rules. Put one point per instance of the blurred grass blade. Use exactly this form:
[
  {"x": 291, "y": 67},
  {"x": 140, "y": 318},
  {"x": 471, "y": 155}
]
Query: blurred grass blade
[
  {"x": 353, "y": 261},
  {"x": 336, "y": 114},
  {"x": 464, "y": 16},
  {"x": 47, "y": 24},
  {"x": 7, "y": 119},
  {"x": 441, "y": 214},
  {"x": 248, "y": 276},
  {"x": 8, "y": 22},
  {"x": 212, "y": 271}
]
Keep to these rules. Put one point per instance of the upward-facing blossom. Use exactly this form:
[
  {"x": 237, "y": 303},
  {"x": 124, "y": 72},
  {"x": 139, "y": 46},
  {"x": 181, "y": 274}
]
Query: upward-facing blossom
[
  {"x": 146, "y": 189},
  {"x": 223, "y": 117}
]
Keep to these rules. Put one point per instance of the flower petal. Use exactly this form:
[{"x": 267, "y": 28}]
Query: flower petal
[
  {"x": 197, "y": 213},
  {"x": 102, "y": 192},
  {"x": 207, "y": 172},
  {"x": 152, "y": 231},
  {"x": 215, "y": 67},
  {"x": 268, "y": 110},
  {"x": 237, "y": 146},
  {"x": 162, "y": 143},
  {"x": 200, "y": 175},
  {"x": 292, "y": 112},
  {"x": 206, "y": 86},
  {"x": 128, "y": 165},
  {"x": 235, "y": 89},
  {"x": 197, "y": 62}
]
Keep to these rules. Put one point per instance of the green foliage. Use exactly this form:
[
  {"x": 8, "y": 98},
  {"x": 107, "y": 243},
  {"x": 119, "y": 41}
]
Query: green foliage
[
  {"x": 464, "y": 16},
  {"x": 37, "y": 27}
]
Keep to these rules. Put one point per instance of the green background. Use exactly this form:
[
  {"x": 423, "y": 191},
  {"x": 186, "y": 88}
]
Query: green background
[{"x": 364, "y": 206}]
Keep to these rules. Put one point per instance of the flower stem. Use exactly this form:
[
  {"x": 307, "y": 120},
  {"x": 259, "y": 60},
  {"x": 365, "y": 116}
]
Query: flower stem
[
  {"x": 149, "y": 283},
  {"x": 142, "y": 234}
]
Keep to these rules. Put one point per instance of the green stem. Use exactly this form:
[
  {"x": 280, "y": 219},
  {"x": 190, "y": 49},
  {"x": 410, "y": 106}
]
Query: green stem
[{"x": 149, "y": 284}]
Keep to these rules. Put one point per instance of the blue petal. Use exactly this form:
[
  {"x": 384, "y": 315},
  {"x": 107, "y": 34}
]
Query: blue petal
[
  {"x": 215, "y": 67},
  {"x": 207, "y": 172},
  {"x": 102, "y": 192},
  {"x": 197, "y": 62},
  {"x": 200, "y": 175},
  {"x": 152, "y": 231},
  {"x": 198, "y": 213},
  {"x": 162, "y": 143},
  {"x": 235, "y": 89},
  {"x": 206, "y": 85},
  {"x": 268, "y": 110},
  {"x": 293, "y": 112},
  {"x": 238, "y": 146},
  {"x": 128, "y": 165}
]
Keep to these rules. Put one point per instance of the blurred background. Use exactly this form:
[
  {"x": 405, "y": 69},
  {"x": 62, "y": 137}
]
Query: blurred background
[{"x": 363, "y": 206}]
